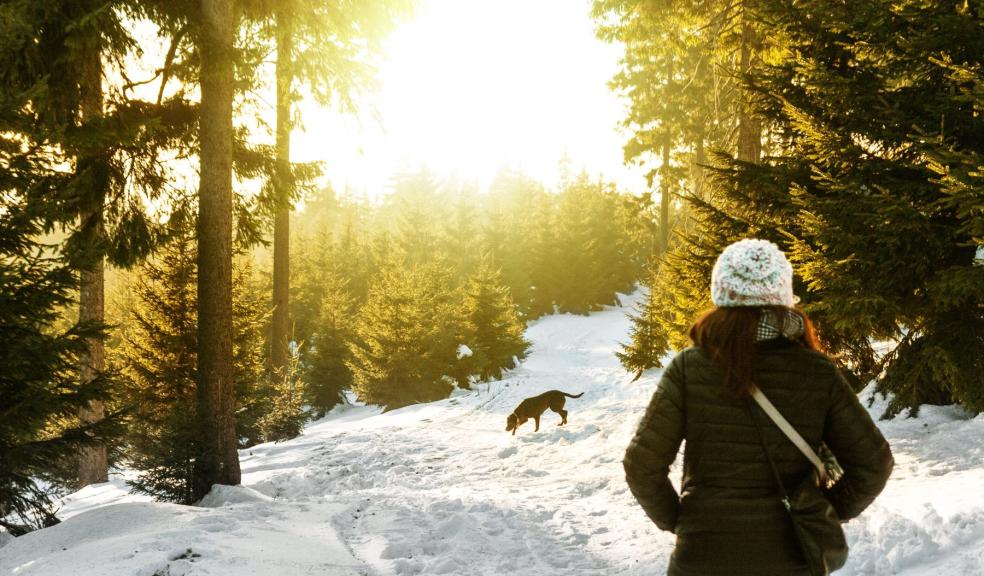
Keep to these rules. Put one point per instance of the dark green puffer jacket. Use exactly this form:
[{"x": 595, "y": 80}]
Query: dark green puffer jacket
[{"x": 728, "y": 490}]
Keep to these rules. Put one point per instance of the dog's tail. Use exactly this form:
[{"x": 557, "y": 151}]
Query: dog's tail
[{"x": 573, "y": 395}]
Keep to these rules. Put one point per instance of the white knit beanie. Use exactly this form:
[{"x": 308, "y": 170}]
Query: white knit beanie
[{"x": 752, "y": 273}]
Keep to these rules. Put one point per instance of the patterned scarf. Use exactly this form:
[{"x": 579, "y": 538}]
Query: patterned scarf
[{"x": 771, "y": 326}]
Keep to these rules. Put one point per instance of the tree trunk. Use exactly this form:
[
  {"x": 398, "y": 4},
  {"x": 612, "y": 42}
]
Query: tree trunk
[
  {"x": 283, "y": 186},
  {"x": 749, "y": 126},
  {"x": 697, "y": 162},
  {"x": 700, "y": 160},
  {"x": 664, "y": 177},
  {"x": 664, "y": 200},
  {"x": 218, "y": 461},
  {"x": 92, "y": 463}
]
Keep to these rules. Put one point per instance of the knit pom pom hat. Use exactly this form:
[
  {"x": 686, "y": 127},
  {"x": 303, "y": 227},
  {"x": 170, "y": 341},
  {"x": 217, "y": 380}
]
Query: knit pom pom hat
[{"x": 752, "y": 273}]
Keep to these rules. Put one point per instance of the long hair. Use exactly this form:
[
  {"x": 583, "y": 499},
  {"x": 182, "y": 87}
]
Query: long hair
[{"x": 728, "y": 335}]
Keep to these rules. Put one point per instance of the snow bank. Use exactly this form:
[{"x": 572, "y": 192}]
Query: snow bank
[
  {"x": 221, "y": 496},
  {"x": 250, "y": 536},
  {"x": 442, "y": 488}
]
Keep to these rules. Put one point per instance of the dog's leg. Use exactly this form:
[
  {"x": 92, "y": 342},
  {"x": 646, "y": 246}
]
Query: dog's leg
[
  {"x": 537, "y": 420},
  {"x": 563, "y": 417}
]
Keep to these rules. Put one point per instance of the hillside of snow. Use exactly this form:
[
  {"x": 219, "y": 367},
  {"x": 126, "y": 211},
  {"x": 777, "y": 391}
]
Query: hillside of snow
[{"x": 442, "y": 488}]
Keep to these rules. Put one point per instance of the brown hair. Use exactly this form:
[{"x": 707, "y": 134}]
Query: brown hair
[{"x": 728, "y": 335}]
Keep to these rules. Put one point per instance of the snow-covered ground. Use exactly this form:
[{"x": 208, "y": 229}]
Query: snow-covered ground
[{"x": 442, "y": 488}]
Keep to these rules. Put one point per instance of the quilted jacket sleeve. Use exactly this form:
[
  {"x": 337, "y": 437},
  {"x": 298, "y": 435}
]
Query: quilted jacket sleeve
[
  {"x": 654, "y": 447},
  {"x": 860, "y": 448}
]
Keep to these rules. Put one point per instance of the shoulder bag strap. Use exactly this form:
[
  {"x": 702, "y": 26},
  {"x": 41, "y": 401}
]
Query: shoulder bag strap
[
  {"x": 768, "y": 455},
  {"x": 790, "y": 432}
]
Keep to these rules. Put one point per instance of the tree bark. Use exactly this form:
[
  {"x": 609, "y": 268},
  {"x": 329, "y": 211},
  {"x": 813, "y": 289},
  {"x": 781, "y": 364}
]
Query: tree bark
[
  {"x": 218, "y": 461},
  {"x": 282, "y": 191},
  {"x": 749, "y": 126},
  {"x": 92, "y": 462},
  {"x": 664, "y": 200},
  {"x": 697, "y": 162},
  {"x": 664, "y": 178},
  {"x": 697, "y": 173}
]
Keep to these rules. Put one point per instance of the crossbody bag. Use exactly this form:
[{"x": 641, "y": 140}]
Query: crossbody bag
[{"x": 815, "y": 522}]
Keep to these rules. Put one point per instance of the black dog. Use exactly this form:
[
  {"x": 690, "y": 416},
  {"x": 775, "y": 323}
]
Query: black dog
[{"x": 535, "y": 406}]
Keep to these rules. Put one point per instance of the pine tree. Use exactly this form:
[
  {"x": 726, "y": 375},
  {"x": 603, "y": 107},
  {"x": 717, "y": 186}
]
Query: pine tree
[
  {"x": 315, "y": 259},
  {"x": 511, "y": 208},
  {"x": 251, "y": 315},
  {"x": 588, "y": 248},
  {"x": 865, "y": 182},
  {"x": 158, "y": 360},
  {"x": 682, "y": 70},
  {"x": 647, "y": 343},
  {"x": 159, "y": 364},
  {"x": 417, "y": 207},
  {"x": 545, "y": 260},
  {"x": 56, "y": 57},
  {"x": 873, "y": 126},
  {"x": 354, "y": 259},
  {"x": 461, "y": 239},
  {"x": 40, "y": 394},
  {"x": 491, "y": 328},
  {"x": 327, "y": 374},
  {"x": 406, "y": 340},
  {"x": 285, "y": 416}
]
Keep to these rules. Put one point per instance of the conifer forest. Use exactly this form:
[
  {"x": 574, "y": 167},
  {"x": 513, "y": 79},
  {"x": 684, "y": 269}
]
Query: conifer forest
[{"x": 274, "y": 273}]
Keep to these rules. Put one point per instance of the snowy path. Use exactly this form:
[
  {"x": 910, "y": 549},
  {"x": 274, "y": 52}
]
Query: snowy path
[{"x": 441, "y": 488}]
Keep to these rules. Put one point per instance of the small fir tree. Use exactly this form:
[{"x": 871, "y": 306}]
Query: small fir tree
[
  {"x": 582, "y": 279},
  {"x": 158, "y": 359},
  {"x": 647, "y": 343},
  {"x": 327, "y": 372},
  {"x": 405, "y": 346},
  {"x": 251, "y": 314},
  {"x": 492, "y": 328},
  {"x": 285, "y": 416}
]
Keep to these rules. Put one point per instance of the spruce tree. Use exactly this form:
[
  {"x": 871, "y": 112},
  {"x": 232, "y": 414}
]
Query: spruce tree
[
  {"x": 545, "y": 260},
  {"x": 513, "y": 204},
  {"x": 327, "y": 374},
  {"x": 647, "y": 343},
  {"x": 40, "y": 393},
  {"x": 159, "y": 364},
  {"x": 881, "y": 137},
  {"x": 53, "y": 60},
  {"x": 491, "y": 327},
  {"x": 417, "y": 206},
  {"x": 461, "y": 239},
  {"x": 866, "y": 181},
  {"x": 314, "y": 261},
  {"x": 254, "y": 390},
  {"x": 592, "y": 248},
  {"x": 407, "y": 336},
  {"x": 158, "y": 360},
  {"x": 285, "y": 415}
]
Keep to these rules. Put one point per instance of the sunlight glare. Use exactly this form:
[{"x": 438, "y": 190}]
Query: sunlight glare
[{"x": 470, "y": 86}]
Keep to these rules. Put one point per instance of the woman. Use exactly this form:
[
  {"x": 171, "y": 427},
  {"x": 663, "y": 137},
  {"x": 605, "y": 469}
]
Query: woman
[{"x": 728, "y": 518}]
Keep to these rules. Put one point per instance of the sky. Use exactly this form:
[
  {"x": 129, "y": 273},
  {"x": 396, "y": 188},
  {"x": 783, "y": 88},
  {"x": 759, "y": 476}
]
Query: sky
[{"x": 470, "y": 86}]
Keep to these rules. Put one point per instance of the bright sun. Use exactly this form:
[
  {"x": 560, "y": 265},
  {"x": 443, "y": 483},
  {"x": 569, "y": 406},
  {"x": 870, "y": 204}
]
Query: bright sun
[{"x": 472, "y": 85}]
